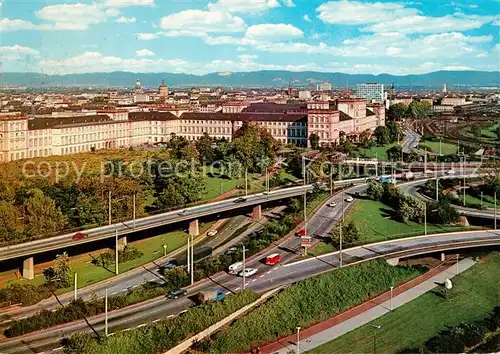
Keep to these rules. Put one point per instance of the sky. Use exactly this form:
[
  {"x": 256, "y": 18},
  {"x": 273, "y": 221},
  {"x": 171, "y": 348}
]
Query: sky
[{"x": 200, "y": 36}]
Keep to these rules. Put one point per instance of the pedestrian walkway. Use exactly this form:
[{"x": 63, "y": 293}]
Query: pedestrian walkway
[{"x": 345, "y": 322}]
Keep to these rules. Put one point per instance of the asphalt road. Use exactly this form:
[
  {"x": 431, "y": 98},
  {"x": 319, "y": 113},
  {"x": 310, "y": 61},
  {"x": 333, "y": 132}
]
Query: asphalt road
[{"x": 412, "y": 140}]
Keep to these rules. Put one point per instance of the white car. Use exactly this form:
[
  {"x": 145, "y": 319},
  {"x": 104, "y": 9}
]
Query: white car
[
  {"x": 428, "y": 172},
  {"x": 248, "y": 272},
  {"x": 332, "y": 204},
  {"x": 212, "y": 233},
  {"x": 349, "y": 199},
  {"x": 184, "y": 212},
  {"x": 451, "y": 172}
]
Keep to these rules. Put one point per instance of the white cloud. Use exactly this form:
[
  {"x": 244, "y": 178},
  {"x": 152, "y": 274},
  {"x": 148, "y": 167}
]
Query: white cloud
[
  {"x": 74, "y": 16},
  {"x": 126, "y": 3},
  {"x": 457, "y": 67},
  {"x": 288, "y": 3},
  {"x": 243, "y": 6},
  {"x": 123, "y": 19},
  {"x": 273, "y": 32},
  {"x": 203, "y": 21},
  {"x": 145, "y": 53},
  {"x": 15, "y": 25},
  {"x": 424, "y": 24},
  {"x": 247, "y": 57},
  {"x": 307, "y": 18},
  {"x": 18, "y": 49},
  {"x": 356, "y": 12},
  {"x": 146, "y": 36}
]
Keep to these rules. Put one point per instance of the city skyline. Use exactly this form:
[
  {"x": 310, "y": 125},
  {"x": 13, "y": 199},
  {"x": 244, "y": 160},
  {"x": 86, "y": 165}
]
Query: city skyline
[{"x": 325, "y": 36}]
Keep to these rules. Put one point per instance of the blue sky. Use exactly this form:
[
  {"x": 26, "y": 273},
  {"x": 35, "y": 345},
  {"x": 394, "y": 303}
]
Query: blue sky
[{"x": 198, "y": 36}]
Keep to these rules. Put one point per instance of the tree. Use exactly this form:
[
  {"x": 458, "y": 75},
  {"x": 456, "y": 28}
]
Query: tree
[
  {"x": 8, "y": 220},
  {"x": 395, "y": 131},
  {"x": 62, "y": 270},
  {"x": 365, "y": 137},
  {"x": 497, "y": 132},
  {"x": 397, "y": 111},
  {"x": 206, "y": 152},
  {"x": 350, "y": 235},
  {"x": 382, "y": 135},
  {"x": 314, "y": 140},
  {"x": 375, "y": 190},
  {"x": 89, "y": 211},
  {"x": 419, "y": 110},
  {"x": 412, "y": 209},
  {"x": 394, "y": 153},
  {"x": 41, "y": 215}
]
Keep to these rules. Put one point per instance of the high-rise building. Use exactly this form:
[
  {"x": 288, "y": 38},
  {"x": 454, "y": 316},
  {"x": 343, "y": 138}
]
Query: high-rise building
[
  {"x": 371, "y": 91},
  {"x": 304, "y": 95},
  {"x": 325, "y": 86},
  {"x": 444, "y": 89}
]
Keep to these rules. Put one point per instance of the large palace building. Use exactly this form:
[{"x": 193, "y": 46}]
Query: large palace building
[{"x": 24, "y": 137}]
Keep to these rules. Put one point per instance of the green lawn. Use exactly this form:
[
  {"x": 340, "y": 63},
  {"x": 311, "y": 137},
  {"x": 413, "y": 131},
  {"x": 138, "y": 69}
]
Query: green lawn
[
  {"x": 152, "y": 249},
  {"x": 488, "y": 200},
  {"x": 216, "y": 186},
  {"x": 378, "y": 151},
  {"x": 373, "y": 219},
  {"x": 446, "y": 148},
  {"x": 475, "y": 293}
]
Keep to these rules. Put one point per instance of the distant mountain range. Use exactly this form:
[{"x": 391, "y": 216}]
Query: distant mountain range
[{"x": 251, "y": 79}]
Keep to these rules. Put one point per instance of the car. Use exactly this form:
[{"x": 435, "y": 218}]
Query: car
[
  {"x": 332, "y": 204},
  {"x": 248, "y": 272},
  {"x": 349, "y": 199},
  {"x": 174, "y": 294},
  {"x": 184, "y": 212},
  {"x": 212, "y": 233},
  {"x": 451, "y": 172},
  {"x": 232, "y": 250},
  {"x": 80, "y": 236},
  {"x": 170, "y": 265},
  {"x": 428, "y": 172},
  {"x": 240, "y": 200}
]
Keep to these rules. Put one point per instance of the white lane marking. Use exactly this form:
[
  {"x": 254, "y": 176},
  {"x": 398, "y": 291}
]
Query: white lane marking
[
  {"x": 247, "y": 284},
  {"x": 269, "y": 271},
  {"x": 183, "y": 311},
  {"x": 170, "y": 316},
  {"x": 141, "y": 325},
  {"x": 262, "y": 276},
  {"x": 126, "y": 329},
  {"x": 153, "y": 279},
  {"x": 57, "y": 349},
  {"x": 238, "y": 288},
  {"x": 22, "y": 318},
  {"x": 7, "y": 321},
  {"x": 157, "y": 320},
  {"x": 116, "y": 292},
  {"x": 228, "y": 292},
  {"x": 135, "y": 286},
  {"x": 53, "y": 310},
  {"x": 253, "y": 280}
]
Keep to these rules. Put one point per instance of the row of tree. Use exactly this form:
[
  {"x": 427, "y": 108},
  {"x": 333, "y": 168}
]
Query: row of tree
[{"x": 415, "y": 110}]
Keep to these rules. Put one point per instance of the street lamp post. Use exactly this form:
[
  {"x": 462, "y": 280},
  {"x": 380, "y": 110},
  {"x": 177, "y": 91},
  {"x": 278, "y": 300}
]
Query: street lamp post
[
  {"x": 304, "y": 175},
  {"x": 331, "y": 180},
  {"x": 376, "y": 165},
  {"x": 134, "y": 210},
  {"x": 440, "y": 141},
  {"x": 437, "y": 188},
  {"x": 297, "y": 351},
  {"x": 246, "y": 181},
  {"x": 106, "y": 312},
  {"x": 457, "y": 263},
  {"x": 340, "y": 246},
  {"x": 116, "y": 252},
  {"x": 481, "y": 198},
  {"x": 188, "y": 257},
  {"x": 165, "y": 250},
  {"x": 342, "y": 203},
  {"x": 192, "y": 259},
  {"x": 109, "y": 207},
  {"x": 495, "y": 199},
  {"x": 76, "y": 285},
  {"x": 392, "y": 288},
  {"x": 425, "y": 218},
  {"x": 244, "y": 267}
]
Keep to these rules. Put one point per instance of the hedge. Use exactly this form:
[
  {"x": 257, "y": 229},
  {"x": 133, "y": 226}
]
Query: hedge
[
  {"x": 163, "y": 335},
  {"x": 308, "y": 302}
]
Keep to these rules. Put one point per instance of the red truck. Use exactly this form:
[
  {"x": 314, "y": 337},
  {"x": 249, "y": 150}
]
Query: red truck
[{"x": 273, "y": 259}]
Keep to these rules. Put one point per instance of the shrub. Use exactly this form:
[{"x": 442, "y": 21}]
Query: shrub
[{"x": 26, "y": 294}]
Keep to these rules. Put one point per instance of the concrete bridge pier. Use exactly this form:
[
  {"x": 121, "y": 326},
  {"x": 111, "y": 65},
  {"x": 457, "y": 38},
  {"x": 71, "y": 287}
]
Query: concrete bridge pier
[
  {"x": 194, "y": 228},
  {"x": 122, "y": 242},
  {"x": 393, "y": 261},
  {"x": 28, "y": 269},
  {"x": 257, "y": 212},
  {"x": 443, "y": 257}
]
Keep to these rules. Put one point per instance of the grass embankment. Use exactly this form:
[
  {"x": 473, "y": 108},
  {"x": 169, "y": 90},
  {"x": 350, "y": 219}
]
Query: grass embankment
[
  {"x": 375, "y": 223},
  {"x": 163, "y": 335},
  {"x": 446, "y": 148},
  {"x": 308, "y": 302},
  {"x": 379, "y": 152},
  {"x": 474, "y": 199},
  {"x": 475, "y": 293}
]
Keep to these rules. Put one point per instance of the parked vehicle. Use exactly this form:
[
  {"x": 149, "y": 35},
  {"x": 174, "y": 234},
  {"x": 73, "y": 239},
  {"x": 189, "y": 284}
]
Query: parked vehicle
[
  {"x": 170, "y": 265},
  {"x": 240, "y": 200},
  {"x": 235, "y": 268},
  {"x": 332, "y": 204},
  {"x": 387, "y": 179},
  {"x": 174, "y": 294},
  {"x": 214, "y": 295},
  {"x": 248, "y": 272},
  {"x": 349, "y": 199},
  {"x": 80, "y": 236},
  {"x": 212, "y": 233},
  {"x": 273, "y": 259},
  {"x": 451, "y": 172}
]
